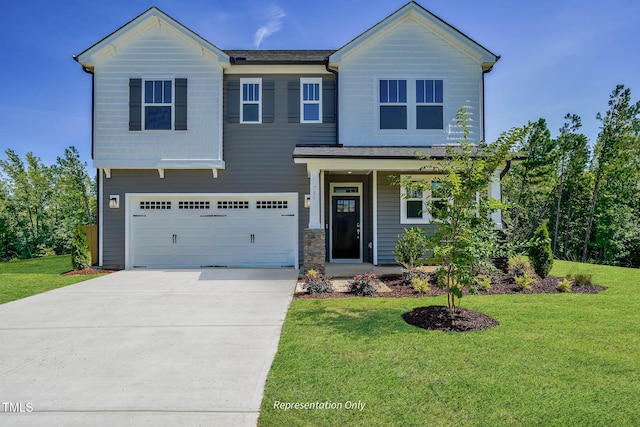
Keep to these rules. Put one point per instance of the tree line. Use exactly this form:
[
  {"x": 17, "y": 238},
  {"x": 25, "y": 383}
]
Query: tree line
[
  {"x": 588, "y": 195},
  {"x": 41, "y": 206}
]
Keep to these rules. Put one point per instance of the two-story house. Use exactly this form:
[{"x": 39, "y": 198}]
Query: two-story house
[{"x": 261, "y": 158}]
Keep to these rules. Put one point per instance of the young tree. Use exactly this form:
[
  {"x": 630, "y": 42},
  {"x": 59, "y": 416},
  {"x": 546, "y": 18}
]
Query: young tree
[
  {"x": 465, "y": 238},
  {"x": 540, "y": 253}
]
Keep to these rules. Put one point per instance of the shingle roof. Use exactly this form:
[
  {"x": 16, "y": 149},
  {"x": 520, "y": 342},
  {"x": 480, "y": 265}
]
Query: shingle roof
[{"x": 279, "y": 56}]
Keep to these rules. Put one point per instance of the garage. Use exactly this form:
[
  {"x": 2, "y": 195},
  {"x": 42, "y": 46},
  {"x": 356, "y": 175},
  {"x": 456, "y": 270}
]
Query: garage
[{"x": 212, "y": 230}]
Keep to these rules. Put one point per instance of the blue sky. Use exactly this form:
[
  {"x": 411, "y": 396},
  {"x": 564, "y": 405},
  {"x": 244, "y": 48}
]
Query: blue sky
[{"x": 558, "y": 56}]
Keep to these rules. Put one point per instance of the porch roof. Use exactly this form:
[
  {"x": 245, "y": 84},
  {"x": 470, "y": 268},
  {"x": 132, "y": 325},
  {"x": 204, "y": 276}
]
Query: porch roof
[{"x": 340, "y": 151}]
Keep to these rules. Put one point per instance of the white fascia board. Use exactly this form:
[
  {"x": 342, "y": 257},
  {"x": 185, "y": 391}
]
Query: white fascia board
[
  {"x": 162, "y": 164},
  {"x": 337, "y": 164}
]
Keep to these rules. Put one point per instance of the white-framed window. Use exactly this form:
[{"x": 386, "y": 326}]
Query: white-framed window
[
  {"x": 311, "y": 100},
  {"x": 393, "y": 104},
  {"x": 429, "y": 104},
  {"x": 251, "y": 100},
  {"x": 414, "y": 206},
  {"x": 158, "y": 104}
]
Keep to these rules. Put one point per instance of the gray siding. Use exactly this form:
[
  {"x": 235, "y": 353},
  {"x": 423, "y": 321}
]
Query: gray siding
[
  {"x": 258, "y": 159},
  {"x": 389, "y": 226}
]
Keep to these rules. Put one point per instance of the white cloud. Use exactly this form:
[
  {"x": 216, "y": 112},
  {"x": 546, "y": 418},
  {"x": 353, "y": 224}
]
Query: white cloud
[{"x": 274, "y": 16}]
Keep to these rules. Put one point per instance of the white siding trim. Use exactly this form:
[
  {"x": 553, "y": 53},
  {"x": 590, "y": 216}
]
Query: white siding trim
[
  {"x": 375, "y": 217},
  {"x": 101, "y": 218}
]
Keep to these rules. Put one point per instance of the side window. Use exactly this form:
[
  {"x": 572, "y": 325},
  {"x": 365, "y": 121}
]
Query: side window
[
  {"x": 310, "y": 100},
  {"x": 251, "y": 100},
  {"x": 414, "y": 206},
  {"x": 429, "y": 104},
  {"x": 393, "y": 104},
  {"x": 158, "y": 104}
]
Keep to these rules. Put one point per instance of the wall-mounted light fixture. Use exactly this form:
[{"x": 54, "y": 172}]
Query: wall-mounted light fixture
[
  {"x": 307, "y": 201},
  {"x": 114, "y": 201}
]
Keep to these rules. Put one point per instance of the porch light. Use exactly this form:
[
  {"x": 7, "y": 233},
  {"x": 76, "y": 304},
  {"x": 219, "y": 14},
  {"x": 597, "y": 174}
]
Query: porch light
[
  {"x": 114, "y": 201},
  {"x": 307, "y": 201}
]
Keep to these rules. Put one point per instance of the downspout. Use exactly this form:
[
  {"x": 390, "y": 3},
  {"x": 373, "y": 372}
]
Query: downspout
[
  {"x": 484, "y": 127},
  {"x": 98, "y": 174},
  {"x": 336, "y": 103}
]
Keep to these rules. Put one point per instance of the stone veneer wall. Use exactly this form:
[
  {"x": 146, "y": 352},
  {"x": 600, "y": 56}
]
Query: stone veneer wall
[{"x": 314, "y": 249}]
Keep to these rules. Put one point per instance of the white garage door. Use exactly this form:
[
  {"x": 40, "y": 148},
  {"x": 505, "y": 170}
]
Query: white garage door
[{"x": 237, "y": 230}]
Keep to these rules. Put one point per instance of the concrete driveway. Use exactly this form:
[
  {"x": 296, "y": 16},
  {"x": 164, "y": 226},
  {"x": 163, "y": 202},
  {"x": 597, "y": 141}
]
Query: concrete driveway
[{"x": 143, "y": 348}]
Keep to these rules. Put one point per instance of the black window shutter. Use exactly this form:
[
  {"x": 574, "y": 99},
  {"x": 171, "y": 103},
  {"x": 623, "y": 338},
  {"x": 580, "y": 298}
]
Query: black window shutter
[
  {"x": 268, "y": 100},
  {"x": 294, "y": 101},
  {"x": 328, "y": 101},
  {"x": 181, "y": 104},
  {"x": 233, "y": 102},
  {"x": 135, "y": 104}
]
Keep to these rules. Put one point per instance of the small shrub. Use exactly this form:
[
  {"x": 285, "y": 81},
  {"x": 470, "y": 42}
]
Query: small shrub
[
  {"x": 483, "y": 283},
  {"x": 411, "y": 247},
  {"x": 518, "y": 267},
  {"x": 582, "y": 279},
  {"x": 316, "y": 283},
  {"x": 564, "y": 285},
  {"x": 364, "y": 284},
  {"x": 540, "y": 252},
  {"x": 524, "y": 283},
  {"x": 420, "y": 285},
  {"x": 408, "y": 274},
  {"x": 80, "y": 253}
]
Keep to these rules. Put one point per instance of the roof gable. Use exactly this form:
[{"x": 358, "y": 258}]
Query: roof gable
[
  {"x": 416, "y": 12},
  {"x": 152, "y": 18}
]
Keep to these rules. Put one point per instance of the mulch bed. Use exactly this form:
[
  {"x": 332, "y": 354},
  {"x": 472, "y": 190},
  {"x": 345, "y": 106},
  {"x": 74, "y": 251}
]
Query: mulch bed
[
  {"x": 440, "y": 318},
  {"x": 88, "y": 271},
  {"x": 462, "y": 320}
]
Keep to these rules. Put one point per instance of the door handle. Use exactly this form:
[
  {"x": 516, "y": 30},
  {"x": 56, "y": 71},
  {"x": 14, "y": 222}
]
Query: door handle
[{"x": 358, "y": 230}]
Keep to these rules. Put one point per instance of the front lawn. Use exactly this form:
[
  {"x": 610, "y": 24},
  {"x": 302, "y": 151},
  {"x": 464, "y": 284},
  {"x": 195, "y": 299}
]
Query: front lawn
[
  {"x": 20, "y": 279},
  {"x": 555, "y": 359}
]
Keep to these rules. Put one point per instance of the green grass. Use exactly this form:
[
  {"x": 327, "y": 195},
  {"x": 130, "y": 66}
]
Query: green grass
[
  {"x": 554, "y": 360},
  {"x": 20, "y": 279}
]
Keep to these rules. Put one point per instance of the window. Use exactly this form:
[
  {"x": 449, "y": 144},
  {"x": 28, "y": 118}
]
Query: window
[
  {"x": 393, "y": 104},
  {"x": 158, "y": 104},
  {"x": 429, "y": 104},
  {"x": 251, "y": 101},
  {"x": 311, "y": 100},
  {"x": 413, "y": 203}
]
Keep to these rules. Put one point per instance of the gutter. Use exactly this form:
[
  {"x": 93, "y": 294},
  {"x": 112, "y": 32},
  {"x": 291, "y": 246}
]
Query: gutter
[{"x": 336, "y": 101}]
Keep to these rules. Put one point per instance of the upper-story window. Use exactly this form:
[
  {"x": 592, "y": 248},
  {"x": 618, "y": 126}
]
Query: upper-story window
[
  {"x": 393, "y": 104},
  {"x": 429, "y": 104},
  {"x": 311, "y": 100},
  {"x": 158, "y": 104},
  {"x": 251, "y": 100}
]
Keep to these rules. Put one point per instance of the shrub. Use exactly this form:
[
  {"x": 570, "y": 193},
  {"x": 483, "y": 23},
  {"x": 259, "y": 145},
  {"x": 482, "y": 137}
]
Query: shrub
[
  {"x": 411, "y": 247},
  {"x": 364, "y": 284},
  {"x": 408, "y": 274},
  {"x": 582, "y": 279},
  {"x": 564, "y": 285},
  {"x": 540, "y": 252},
  {"x": 420, "y": 285},
  {"x": 525, "y": 282},
  {"x": 316, "y": 283},
  {"x": 518, "y": 267},
  {"x": 80, "y": 253},
  {"x": 483, "y": 283}
]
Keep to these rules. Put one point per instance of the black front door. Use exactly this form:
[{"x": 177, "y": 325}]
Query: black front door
[{"x": 345, "y": 227}]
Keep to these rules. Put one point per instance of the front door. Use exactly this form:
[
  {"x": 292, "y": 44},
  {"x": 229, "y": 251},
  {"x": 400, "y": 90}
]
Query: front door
[{"x": 345, "y": 228}]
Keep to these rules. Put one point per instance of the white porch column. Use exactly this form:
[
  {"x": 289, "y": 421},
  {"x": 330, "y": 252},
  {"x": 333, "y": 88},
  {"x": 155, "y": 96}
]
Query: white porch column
[
  {"x": 495, "y": 192},
  {"x": 314, "y": 193}
]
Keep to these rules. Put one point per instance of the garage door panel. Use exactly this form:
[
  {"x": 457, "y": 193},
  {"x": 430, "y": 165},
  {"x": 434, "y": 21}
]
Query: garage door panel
[{"x": 214, "y": 230}]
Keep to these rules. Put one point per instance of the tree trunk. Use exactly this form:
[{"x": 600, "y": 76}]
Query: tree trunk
[
  {"x": 587, "y": 234},
  {"x": 566, "y": 227},
  {"x": 555, "y": 232}
]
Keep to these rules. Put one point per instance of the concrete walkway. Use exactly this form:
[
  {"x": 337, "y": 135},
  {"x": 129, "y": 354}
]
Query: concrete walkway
[{"x": 143, "y": 348}]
